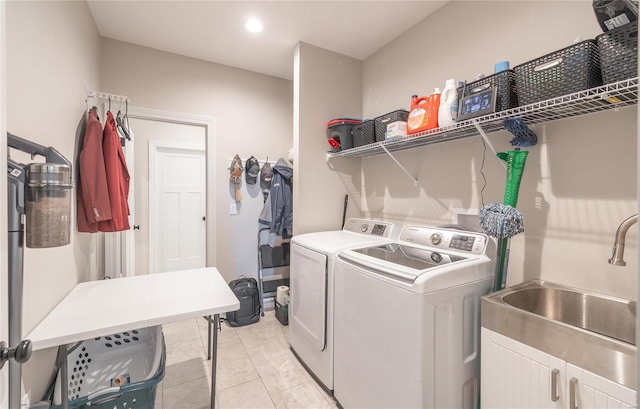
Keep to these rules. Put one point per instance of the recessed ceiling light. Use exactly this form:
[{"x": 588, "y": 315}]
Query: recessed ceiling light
[{"x": 254, "y": 25}]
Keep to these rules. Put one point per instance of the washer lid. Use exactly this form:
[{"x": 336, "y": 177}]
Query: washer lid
[
  {"x": 356, "y": 233},
  {"x": 331, "y": 242},
  {"x": 417, "y": 269},
  {"x": 415, "y": 258}
]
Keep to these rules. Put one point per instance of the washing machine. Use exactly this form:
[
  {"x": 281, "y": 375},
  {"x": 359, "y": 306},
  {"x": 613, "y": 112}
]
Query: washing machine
[
  {"x": 407, "y": 320},
  {"x": 311, "y": 281}
]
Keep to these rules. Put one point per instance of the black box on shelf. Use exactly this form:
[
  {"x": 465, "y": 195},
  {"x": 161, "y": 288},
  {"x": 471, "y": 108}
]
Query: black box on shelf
[
  {"x": 339, "y": 133},
  {"x": 363, "y": 134},
  {"x": 282, "y": 313},
  {"x": 505, "y": 84},
  {"x": 382, "y": 122},
  {"x": 619, "y": 53},
  {"x": 571, "y": 69}
]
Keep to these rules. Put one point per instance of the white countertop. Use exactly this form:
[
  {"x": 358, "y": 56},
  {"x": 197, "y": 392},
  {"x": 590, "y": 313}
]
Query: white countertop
[{"x": 104, "y": 307}]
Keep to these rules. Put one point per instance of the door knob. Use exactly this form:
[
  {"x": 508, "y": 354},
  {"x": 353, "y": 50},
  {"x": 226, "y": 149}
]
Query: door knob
[
  {"x": 136, "y": 227},
  {"x": 20, "y": 354},
  {"x": 204, "y": 218}
]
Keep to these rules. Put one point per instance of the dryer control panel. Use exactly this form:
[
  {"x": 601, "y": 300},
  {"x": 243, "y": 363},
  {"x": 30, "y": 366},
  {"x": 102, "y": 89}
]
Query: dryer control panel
[
  {"x": 456, "y": 240},
  {"x": 369, "y": 227}
]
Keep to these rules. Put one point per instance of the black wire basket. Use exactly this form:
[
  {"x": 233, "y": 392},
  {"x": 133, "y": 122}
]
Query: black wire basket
[
  {"x": 282, "y": 313},
  {"x": 383, "y": 120},
  {"x": 504, "y": 82},
  {"x": 571, "y": 69},
  {"x": 619, "y": 53},
  {"x": 363, "y": 134}
]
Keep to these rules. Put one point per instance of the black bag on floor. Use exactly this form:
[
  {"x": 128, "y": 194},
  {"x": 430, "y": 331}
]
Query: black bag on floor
[{"x": 246, "y": 289}]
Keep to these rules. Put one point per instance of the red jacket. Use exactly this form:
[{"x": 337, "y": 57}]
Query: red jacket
[
  {"x": 117, "y": 178},
  {"x": 93, "y": 196}
]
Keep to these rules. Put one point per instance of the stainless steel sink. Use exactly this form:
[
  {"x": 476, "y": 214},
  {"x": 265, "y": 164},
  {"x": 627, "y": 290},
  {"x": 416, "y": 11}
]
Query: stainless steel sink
[
  {"x": 604, "y": 315},
  {"x": 593, "y": 331}
]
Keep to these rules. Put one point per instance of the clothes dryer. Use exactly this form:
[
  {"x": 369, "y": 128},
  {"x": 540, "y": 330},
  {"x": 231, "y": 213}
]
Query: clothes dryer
[
  {"x": 311, "y": 281},
  {"x": 407, "y": 320}
]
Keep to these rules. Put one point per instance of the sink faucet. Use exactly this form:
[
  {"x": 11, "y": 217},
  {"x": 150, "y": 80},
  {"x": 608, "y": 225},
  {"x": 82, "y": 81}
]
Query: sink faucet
[{"x": 617, "y": 259}]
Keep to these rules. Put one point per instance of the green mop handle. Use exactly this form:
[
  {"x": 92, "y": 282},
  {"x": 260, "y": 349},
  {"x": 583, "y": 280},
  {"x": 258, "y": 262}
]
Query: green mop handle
[
  {"x": 503, "y": 263},
  {"x": 516, "y": 160}
]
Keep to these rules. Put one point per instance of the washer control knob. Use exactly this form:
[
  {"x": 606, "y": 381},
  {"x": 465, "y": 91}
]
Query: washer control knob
[
  {"x": 435, "y": 239},
  {"x": 436, "y": 257},
  {"x": 364, "y": 228}
]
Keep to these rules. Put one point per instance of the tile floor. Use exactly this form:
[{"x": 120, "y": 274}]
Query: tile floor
[{"x": 256, "y": 369}]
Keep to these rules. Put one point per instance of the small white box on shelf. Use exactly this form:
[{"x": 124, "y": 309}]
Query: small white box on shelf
[{"x": 396, "y": 129}]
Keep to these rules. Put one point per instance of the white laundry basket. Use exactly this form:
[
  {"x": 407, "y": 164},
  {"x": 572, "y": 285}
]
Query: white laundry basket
[{"x": 119, "y": 370}]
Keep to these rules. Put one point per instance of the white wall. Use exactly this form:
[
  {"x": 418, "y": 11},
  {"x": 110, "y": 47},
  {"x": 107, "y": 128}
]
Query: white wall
[
  {"x": 327, "y": 86},
  {"x": 253, "y": 115},
  {"x": 52, "y": 54},
  {"x": 580, "y": 179}
]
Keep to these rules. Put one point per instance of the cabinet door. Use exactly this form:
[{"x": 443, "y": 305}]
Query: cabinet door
[
  {"x": 514, "y": 375},
  {"x": 590, "y": 391}
]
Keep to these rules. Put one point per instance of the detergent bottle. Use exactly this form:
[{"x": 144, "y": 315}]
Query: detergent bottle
[
  {"x": 434, "y": 106},
  {"x": 424, "y": 113},
  {"x": 448, "y": 99},
  {"x": 419, "y": 115}
]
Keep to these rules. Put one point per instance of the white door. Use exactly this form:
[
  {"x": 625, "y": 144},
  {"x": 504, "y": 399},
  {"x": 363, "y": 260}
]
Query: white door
[
  {"x": 128, "y": 245},
  {"x": 162, "y": 129},
  {"x": 177, "y": 193}
]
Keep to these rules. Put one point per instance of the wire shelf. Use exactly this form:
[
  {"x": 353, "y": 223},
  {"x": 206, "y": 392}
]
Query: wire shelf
[{"x": 611, "y": 96}]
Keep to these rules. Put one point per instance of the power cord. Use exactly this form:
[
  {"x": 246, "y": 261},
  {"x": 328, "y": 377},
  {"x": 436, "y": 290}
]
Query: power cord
[{"x": 484, "y": 156}]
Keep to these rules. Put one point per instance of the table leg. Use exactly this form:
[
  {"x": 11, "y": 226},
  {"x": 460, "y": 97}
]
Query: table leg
[
  {"x": 64, "y": 376},
  {"x": 209, "y": 337},
  {"x": 214, "y": 359}
]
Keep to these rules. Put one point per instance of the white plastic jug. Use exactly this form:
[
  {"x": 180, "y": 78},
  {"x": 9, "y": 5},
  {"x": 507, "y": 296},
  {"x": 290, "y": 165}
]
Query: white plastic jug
[{"x": 448, "y": 99}]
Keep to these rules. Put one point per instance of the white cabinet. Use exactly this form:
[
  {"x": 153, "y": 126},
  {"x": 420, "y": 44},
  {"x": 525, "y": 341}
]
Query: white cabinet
[
  {"x": 514, "y": 375},
  {"x": 590, "y": 391}
]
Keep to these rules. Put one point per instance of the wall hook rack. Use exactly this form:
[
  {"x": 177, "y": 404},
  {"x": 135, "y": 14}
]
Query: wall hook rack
[{"x": 105, "y": 95}]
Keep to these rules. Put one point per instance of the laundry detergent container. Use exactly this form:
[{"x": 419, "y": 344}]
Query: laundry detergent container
[
  {"x": 339, "y": 133},
  {"x": 120, "y": 370}
]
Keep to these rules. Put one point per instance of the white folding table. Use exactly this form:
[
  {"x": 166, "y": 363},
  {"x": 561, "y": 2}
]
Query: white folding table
[{"x": 99, "y": 308}]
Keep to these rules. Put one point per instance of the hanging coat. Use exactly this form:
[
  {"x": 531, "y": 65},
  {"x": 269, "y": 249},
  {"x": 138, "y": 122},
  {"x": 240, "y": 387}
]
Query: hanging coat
[
  {"x": 93, "y": 194},
  {"x": 117, "y": 178},
  {"x": 281, "y": 197},
  {"x": 265, "y": 214}
]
